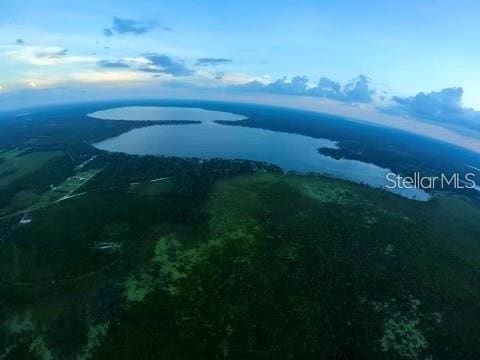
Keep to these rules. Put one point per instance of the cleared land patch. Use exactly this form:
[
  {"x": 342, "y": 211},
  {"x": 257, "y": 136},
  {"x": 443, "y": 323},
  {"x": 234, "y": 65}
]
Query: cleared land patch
[{"x": 16, "y": 163}]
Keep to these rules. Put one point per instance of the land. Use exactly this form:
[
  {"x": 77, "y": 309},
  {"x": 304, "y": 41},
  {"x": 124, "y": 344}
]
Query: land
[
  {"x": 159, "y": 257},
  {"x": 255, "y": 265}
]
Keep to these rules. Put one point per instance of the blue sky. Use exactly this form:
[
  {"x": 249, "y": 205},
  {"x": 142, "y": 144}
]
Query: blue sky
[{"x": 400, "y": 48}]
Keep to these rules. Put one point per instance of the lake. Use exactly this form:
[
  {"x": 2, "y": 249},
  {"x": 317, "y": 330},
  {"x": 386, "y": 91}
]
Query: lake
[{"x": 292, "y": 152}]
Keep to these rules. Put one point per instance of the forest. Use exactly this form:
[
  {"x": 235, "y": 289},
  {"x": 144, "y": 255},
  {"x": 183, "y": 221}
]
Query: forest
[{"x": 186, "y": 258}]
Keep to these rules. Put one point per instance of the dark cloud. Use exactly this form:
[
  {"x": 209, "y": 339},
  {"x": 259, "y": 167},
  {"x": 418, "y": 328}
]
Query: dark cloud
[
  {"x": 356, "y": 90},
  {"x": 112, "y": 64},
  {"x": 130, "y": 26},
  {"x": 444, "y": 106},
  {"x": 107, "y": 32},
  {"x": 163, "y": 64},
  {"x": 210, "y": 61},
  {"x": 20, "y": 41}
]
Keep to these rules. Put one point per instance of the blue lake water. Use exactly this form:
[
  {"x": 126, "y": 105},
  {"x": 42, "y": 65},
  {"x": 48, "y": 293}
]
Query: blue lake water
[
  {"x": 164, "y": 113},
  {"x": 292, "y": 152}
]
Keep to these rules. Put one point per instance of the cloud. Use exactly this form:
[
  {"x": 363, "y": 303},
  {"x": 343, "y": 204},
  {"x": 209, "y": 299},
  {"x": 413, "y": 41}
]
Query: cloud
[
  {"x": 51, "y": 53},
  {"x": 327, "y": 88},
  {"x": 107, "y": 32},
  {"x": 20, "y": 41},
  {"x": 210, "y": 61},
  {"x": 251, "y": 86},
  {"x": 357, "y": 90},
  {"x": 106, "y": 76},
  {"x": 157, "y": 64},
  {"x": 130, "y": 26},
  {"x": 296, "y": 86},
  {"x": 163, "y": 64},
  {"x": 444, "y": 106},
  {"x": 112, "y": 64},
  {"x": 98, "y": 76},
  {"x": 231, "y": 79},
  {"x": 46, "y": 56}
]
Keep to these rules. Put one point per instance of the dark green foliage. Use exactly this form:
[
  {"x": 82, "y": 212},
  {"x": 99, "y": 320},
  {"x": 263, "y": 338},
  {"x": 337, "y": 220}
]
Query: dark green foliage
[
  {"x": 255, "y": 264},
  {"x": 68, "y": 333}
]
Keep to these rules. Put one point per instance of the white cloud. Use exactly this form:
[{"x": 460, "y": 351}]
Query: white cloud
[
  {"x": 47, "y": 56},
  {"x": 48, "y": 80},
  {"x": 136, "y": 61},
  {"x": 108, "y": 76},
  {"x": 42, "y": 81}
]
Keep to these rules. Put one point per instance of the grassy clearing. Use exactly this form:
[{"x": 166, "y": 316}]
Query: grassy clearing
[
  {"x": 16, "y": 163},
  {"x": 67, "y": 189},
  {"x": 32, "y": 200}
]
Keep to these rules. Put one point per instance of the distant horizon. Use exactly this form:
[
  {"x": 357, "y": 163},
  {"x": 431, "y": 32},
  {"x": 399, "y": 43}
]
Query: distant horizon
[
  {"x": 398, "y": 64},
  {"x": 325, "y": 107}
]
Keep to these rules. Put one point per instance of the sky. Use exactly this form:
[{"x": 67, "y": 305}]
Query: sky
[{"x": 414, "y": 59}]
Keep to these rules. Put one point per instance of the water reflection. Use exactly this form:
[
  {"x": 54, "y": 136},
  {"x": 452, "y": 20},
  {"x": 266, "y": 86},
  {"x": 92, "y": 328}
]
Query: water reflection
[{"x": 292, "y": 152}]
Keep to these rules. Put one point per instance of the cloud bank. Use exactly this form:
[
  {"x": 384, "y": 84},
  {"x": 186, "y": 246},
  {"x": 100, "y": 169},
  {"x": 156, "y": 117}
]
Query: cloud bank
[
  {"x": 357, "y": 90},
  {"x": 154, "y": 63},
  {"x": 444, "y": 106}
]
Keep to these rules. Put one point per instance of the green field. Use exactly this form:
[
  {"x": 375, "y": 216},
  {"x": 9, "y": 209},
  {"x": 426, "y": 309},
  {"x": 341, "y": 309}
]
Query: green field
[{"x": 17, "y": 163}]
